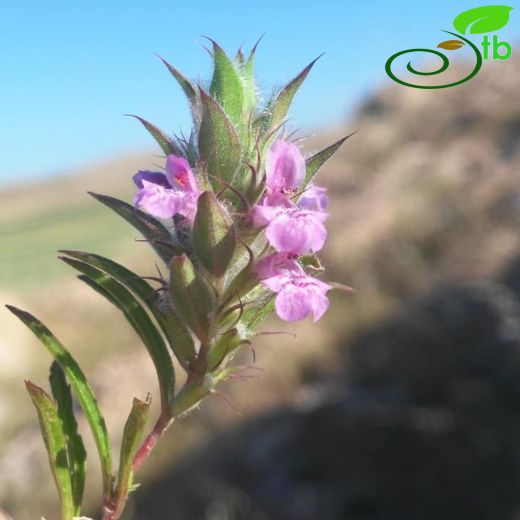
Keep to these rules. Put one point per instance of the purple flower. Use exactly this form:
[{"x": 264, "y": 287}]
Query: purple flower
[
  {"x": 164, "y": 196},
  {"x": 297, "y": 231},
  {"x": 285, "y": 167},
  {"x": 298, "y": 296},
  {"x": 277, "y": 264},
  {"x": 290, "y": 228},
  {"x": 314, "y": 198}
]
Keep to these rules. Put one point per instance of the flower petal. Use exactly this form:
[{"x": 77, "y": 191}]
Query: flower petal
[
  {"x": 180, "y": 175},
  {"x": 277, "y": 264},
  {"x": 158, "y": 201},
  {"x": 285, "y": 166},
  {"x": 291, "y": 304},
  {"x": 314, "y": 198},
  {"x": 297, "y": 232},
  {"x": 153, "y": 177}
]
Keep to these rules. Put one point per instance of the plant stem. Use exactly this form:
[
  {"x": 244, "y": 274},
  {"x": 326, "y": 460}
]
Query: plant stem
[{"x": 151, "y": 440}]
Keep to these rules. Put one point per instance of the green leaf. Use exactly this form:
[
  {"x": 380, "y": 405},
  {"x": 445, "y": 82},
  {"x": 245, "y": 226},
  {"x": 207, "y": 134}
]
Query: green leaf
[
  {"x": 187, "y": 87},
  {"x": 166, "y": 143},
  {"x": 227, "y": 86},
  {"x": 81, "y": 389},
  {"x": 219, "y": 143},
  {"x": 176, "y": 333},
  {"x": 282, "y": 102},
  {"x": 56, "y": 444},
  {"x": 184, "y": 82},
  {"x": 214, "y": 236},
  {"x": 484, "y": 19},
  {"x": 315, "y": 162},
  {"x": 132, "y": 436},
  {"x": 192, "y": 296},
  {"x": 76, "y": 453},
  {"x": 157, "y": 234},
  {"x": 134, "y": 312}
]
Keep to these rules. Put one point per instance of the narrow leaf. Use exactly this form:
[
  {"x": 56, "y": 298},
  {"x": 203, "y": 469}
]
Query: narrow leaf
[
  {"x": 176, "y": 333},
  {"x": 76, "y": 453},
  {"x": 484, "y": 19},
  {"x": 132, "y": 435},
  {"x": 56, "y": 444},
  {"x": 226, "y": 86},
  {"x": 315, "y": 162},
  {"x": 213, "y": 235},
  {"x": 282, "y": 102},
  {"x": 184, "y": 82},
  {"x": 188, "y": 89},
  {"x": 166, "y": 143},
  {"x": 219, "y": 143},
  {"x": 123, "y": 299},
  {"x": 155, "y": 232},
  {"x": 81, "y": 388}
]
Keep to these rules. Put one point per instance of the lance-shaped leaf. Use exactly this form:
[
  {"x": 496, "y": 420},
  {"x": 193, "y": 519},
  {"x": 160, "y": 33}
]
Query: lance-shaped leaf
[
  {"x": 315, "y": 162},
  {"x": 77, "y": 456},
  {"x": 166, "y": 143},
  {"x": 176, "y": 333},
  {"x": 484, "y": 19},
  {"x": 219, "y": 143},
  {"x": 81, "y": 389},
  {"x": 187, "y": 87},
  {"x": 192, "y": 297},
  {"x": 214, "y": 235},
  {"x": 279, "y": 107},
  {"x": 56, "y": 444},
  {"x": 134, "y": 312},
  {"x": 132, "y": 435},
  {"x": 248, "y": 79},
  {"x": 227, "y": 86},
  {"x": 184, "y": 82},
  {"x": 158, "y": 236}
]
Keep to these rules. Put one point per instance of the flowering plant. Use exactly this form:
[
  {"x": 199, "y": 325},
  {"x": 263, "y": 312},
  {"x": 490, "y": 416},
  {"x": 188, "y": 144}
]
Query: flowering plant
[{"x": 237, "y": 221}]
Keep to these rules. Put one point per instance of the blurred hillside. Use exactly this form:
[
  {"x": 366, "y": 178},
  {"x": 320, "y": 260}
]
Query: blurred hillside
[{"x": 427, "y": 191}]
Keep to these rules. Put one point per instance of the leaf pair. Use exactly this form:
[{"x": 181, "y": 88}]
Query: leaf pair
[{"x": 48, "y": 411}]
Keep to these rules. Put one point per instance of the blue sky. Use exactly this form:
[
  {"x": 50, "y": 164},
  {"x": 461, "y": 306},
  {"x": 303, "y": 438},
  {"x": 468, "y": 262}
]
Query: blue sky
[{"x": 71, "y": 69}]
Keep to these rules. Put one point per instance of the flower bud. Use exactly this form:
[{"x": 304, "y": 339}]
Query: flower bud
[
  {"x": 213, "y": 235},
  {"x": 191, "y": 295}
]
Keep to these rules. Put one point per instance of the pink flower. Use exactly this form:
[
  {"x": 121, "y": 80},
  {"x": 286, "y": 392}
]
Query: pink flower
[
  {"x": 277, "y": 264},
  {"x": 297, "y": 231},
  {"x": 314, "y": 198},
  {"x": 290, "y": 228},
  {"x": 164, "y": 196},
  {"x": 285, "y": 167},
  {"x": 298, "y": 296}
]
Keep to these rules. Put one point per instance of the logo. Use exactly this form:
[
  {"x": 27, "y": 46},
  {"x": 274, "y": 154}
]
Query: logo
[{"x": 480, "y": 20}]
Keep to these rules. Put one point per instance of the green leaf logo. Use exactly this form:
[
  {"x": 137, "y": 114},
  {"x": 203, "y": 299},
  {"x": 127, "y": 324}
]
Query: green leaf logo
[{"x": 479, "y": 20}]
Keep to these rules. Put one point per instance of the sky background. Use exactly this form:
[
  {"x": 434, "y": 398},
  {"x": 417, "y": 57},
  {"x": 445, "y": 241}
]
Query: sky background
[{"x": 71, "y": 69}]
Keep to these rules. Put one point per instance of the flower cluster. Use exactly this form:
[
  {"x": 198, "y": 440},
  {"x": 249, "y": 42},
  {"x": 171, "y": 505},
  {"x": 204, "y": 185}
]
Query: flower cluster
[
  {"x": 294, "y": 226},
  {"x": 291, "y": 215}
]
